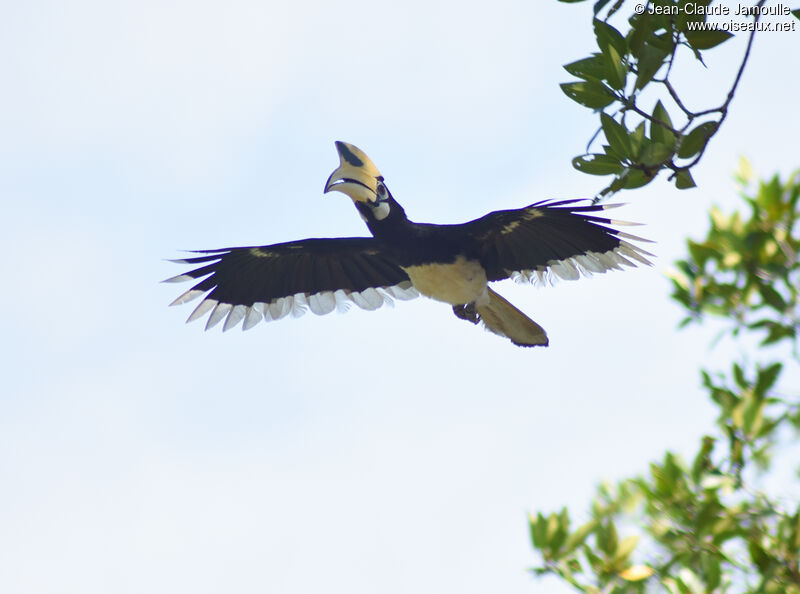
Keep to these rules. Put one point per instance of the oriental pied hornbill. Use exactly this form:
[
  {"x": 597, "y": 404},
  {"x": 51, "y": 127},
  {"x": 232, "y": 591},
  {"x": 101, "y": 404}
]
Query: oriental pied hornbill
[{"x": 450, "y": 263}]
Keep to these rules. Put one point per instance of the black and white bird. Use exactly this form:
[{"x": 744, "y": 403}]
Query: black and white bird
[{"x": 402, "y": 259}]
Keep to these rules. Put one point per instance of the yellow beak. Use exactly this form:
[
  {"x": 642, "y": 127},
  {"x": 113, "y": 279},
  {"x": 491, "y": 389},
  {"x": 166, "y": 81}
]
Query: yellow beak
[{"x": 356, "y": 175}]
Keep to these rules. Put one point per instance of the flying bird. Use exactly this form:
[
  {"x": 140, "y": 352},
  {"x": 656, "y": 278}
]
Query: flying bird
[{"x": 402, "y": 259}]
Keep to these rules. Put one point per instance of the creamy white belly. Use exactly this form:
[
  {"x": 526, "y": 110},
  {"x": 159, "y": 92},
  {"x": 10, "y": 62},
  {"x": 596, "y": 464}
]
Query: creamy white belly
[{"x": 462, "y": 281}]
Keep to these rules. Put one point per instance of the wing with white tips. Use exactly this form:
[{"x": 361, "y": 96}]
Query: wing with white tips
[
  {"x": 250, "y": 284},
  {"x": 554, "y": 240}
]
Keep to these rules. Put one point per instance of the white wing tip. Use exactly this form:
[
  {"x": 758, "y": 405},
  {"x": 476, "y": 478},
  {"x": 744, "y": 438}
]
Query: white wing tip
[
  {"x": 186, "y": 297},
  {"x": 181, "y": 278},
  {"x": 295, "y": 305},
  {"x": 584, "y": 265}
]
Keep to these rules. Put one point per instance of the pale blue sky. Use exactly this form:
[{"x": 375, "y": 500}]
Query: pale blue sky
[{"x": 392, "y": 451}]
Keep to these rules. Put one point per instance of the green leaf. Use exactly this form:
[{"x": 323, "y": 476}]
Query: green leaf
[
  {"x": 752, "y": 415},
  {"x": 637, "y": 179},
  {"x": 673, "y": 466},
  {"x": 684, "y": 180},
  {"x": 698, "y": 56},
  {"x": 712, "y": 571},
  {"x": 616, "y": 69},
  {"x": 557, "y": 535},
  {"x": 607, "y": 537},
  {"x": 738, "y": 376},
  {"x": 770, "y": 197},
  {"x": 552, "y": 527},
  {"x": 595, "y": 67},
  {"x": 658, "y": 132},
  {"x": 577, "y": 538},
  {"x": 637, "y": 139},
  {"x": 655, "y": 154},
  {"x": 702, "y": 461},
  {"x": 794, "y": 542},
  {"x": 592, "y": 94},
  {"x": 744, "y": 173},
  {"x": 642, "y": 27},
  {"x": 610, "y": 152},
  {"x": 757, "y": 553},
  {"x": 624, "y": 550},
  {"x": 772, "y": 298},
  {"x": 607, "y": 36},
  {"x": 702, "y": 40},
  {"x": 538, "y": 529},
  {"x": 694, "y": 141},
  {"x": 616, "y": 134},
  {"x": 651, "y": 59},
  {"x": 796, "y": 13},
  {"x": 630, "y": 179},
  {"x": 767, "y": 378},
  {"x": 777, "y": 333},
  {"x": 594, "y": 559},
  {"x": 598, "y": 6},
  {"x": 595, "y": 164},
  {"x": 663, "y": 41}
]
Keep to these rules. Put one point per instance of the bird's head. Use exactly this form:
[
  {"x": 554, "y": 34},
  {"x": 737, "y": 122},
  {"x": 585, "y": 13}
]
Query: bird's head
[{"x": 358, "y": 177}]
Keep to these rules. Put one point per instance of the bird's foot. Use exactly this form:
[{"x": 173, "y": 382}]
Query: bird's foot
[{"x": 466, "y": 311}]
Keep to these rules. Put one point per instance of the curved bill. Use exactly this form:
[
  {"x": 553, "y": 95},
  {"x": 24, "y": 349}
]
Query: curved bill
[{"x": 356, "y": 175}]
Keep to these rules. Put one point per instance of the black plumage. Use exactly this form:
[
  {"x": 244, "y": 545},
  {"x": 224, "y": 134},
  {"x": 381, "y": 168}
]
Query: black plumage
[
  {"x": 246, "y": 275},
  {"x": 451, "y": 263}
]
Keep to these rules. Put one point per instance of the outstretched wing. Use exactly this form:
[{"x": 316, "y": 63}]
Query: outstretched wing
[
  {"x": 269, "y": 282},
  {"x": 549, "y": 240}
]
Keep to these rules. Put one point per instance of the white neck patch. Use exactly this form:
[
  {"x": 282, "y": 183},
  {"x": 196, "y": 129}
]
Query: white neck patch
[{"x": 380, "y": 210}]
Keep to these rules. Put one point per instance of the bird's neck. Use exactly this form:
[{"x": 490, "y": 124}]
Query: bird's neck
[{"x": 393, "y": 226}]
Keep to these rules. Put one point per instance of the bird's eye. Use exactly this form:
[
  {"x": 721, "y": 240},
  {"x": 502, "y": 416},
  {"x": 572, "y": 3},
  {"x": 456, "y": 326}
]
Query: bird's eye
[{"x": 381, "y": 191}]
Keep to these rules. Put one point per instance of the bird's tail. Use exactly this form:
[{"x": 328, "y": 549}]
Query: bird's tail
[{"x": 504, "y": 319}]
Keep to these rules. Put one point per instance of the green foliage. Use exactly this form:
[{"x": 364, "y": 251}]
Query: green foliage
[
  {"x": 705, "y": 527},
  {"x": 613, "y": 79},
  {"x": 745, "y": 269}
]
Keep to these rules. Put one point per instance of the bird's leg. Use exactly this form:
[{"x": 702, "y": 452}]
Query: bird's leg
[{"x": 466, "y": 311}]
